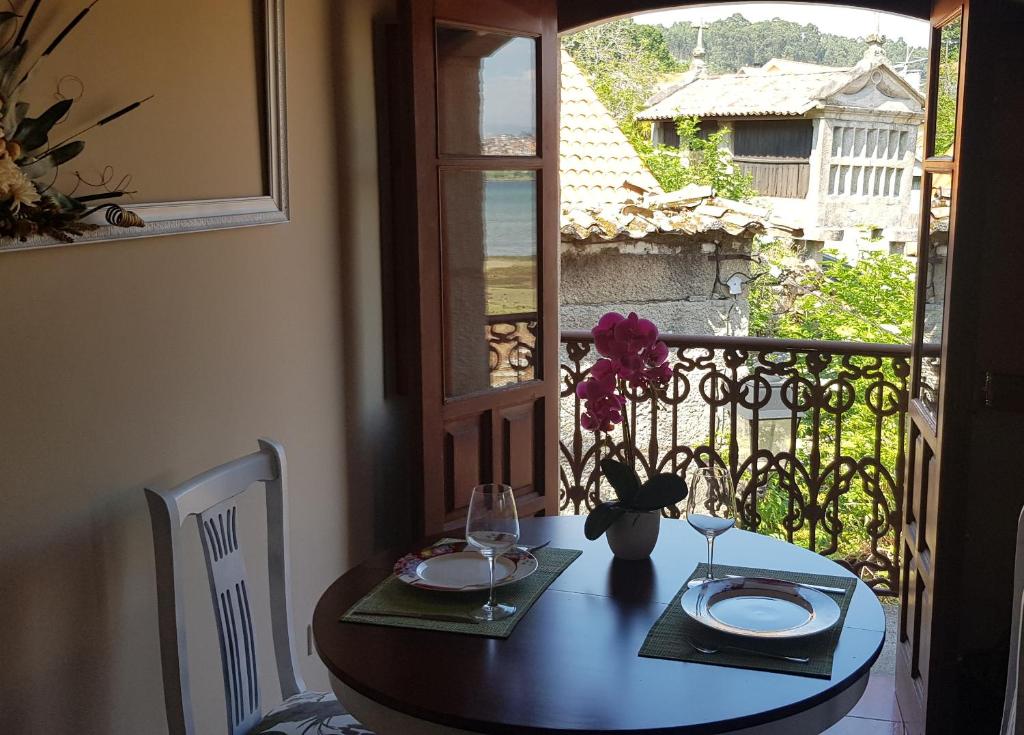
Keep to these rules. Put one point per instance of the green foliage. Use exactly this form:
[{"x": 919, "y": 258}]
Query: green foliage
[
  {"x": 661, "y": 491},
  {"x": 708, "y": 162},
  {"x": 735, "y": 42},
  {"x": 949, "y": 72},
  {"x": 623, "y": 61},
  {"x": 868, "y": 301}
]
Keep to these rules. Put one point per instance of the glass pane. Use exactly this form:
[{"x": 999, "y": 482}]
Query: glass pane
[
  {"x": 948, "y": 89},
  {"x": 490, "y": 259},
  {"x": 486, "y": 93},
  {"x": 935, "y": 289}
]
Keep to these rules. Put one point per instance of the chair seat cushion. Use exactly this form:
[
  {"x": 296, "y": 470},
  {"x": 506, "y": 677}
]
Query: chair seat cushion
[{"x": 310, "y": 713}]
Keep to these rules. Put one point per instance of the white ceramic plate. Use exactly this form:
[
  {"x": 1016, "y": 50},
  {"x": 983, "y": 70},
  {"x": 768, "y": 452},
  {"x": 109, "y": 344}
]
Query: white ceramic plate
[
  {"x": 755, "y": 607},
  {"x": 453, "y": 568}
]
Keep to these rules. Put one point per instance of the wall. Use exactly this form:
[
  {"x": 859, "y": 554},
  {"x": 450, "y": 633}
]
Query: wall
[
  {"x": 666, "y": 279},
  {"x": 124, "y": 365}
]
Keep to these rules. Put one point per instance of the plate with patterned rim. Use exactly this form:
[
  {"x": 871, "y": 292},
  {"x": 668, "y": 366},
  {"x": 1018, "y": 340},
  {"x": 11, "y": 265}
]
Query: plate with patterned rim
[
  {"x": 758, "y": 607},
  {"x": 455, "y": 568}
]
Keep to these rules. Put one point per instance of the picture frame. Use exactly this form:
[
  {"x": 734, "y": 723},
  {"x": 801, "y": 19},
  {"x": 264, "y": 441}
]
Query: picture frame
[{"x": 179, "y": 217}]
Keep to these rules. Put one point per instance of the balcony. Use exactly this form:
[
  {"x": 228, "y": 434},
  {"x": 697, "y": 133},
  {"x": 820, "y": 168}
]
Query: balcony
[{"x": 812, "y": 433}]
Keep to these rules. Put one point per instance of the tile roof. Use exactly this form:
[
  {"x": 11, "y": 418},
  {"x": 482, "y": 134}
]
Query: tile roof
[
  {"x": 691, "y": 211},
  {"x": 780, "y": 87},
  {"x": 596, "y": 158}
]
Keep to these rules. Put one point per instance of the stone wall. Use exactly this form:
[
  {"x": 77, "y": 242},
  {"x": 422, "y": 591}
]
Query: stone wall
[{"x": 677, "y": 282}]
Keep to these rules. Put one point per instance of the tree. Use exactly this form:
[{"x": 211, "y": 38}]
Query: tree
[
  {"x": 708, "y": 162},
  {"x": 871, "y": 300},
  {"x": 735, "y": 42},
  {"x": 623, "y": 61}
]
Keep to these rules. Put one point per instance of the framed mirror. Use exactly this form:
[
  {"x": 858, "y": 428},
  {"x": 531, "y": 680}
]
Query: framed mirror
[{"x": 208, "y": 151}]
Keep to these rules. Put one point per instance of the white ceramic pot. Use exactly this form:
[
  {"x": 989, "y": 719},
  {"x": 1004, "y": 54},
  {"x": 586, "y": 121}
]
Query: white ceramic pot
[{"x": 634, "y": 534}]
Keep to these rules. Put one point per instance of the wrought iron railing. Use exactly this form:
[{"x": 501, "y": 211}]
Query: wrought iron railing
[
  {"x": 511, "y": 347},
  {"x": 811, "y": 432}
]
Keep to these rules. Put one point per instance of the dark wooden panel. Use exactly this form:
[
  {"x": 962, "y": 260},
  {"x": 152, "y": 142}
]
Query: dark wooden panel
[
  {"x": 916, "y": 487},
  {"x": 931, "y": 518},
  {"x": 465, "y": 442},
  {"x": 906, "y": 621},
  {"x": 517, "y": 446},
  {"x": 772, "y": 138},
  {"x": 775, "y": 178},
  {"x": 924, "y": 623}
]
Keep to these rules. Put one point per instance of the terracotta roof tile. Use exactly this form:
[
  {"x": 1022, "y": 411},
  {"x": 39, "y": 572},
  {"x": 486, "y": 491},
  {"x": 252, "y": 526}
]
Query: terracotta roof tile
[
  {"x": 689, "y": 211},
  {"x": 780, "y": 87},
  {"x": 596, "y": 158}
]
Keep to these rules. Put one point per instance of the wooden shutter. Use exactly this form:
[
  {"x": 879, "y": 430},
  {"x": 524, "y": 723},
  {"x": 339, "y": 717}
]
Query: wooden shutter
[
  {"x": 484, "y": 133},
  {"x": 924, "y": 677}
]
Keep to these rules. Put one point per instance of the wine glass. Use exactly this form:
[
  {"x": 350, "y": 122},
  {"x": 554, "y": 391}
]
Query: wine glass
[
  {"x": 492, "y": 528},
  {"x": 711, "y": 507}
]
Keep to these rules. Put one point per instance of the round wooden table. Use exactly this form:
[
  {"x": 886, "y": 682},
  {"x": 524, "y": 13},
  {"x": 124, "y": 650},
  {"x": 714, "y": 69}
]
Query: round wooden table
[{"x": 571, "y": 664}]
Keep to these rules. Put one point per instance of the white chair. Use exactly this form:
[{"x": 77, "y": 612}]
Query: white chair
[
  {"x": 1013, "y": 704},
  {"x": 211, "y": 498}
]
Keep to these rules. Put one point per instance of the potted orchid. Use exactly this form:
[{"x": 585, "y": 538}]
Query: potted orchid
[{"x": 633, "y": 356}]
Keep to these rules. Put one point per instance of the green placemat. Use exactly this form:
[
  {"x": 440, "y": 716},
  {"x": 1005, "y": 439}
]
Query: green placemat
[
  {"x": 393, "y": 595},
  {"x": 669, "y": 637}
]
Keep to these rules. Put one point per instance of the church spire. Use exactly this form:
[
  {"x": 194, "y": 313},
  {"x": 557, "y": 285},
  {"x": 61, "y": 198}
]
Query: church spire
[{"x": 697, "y": 65}]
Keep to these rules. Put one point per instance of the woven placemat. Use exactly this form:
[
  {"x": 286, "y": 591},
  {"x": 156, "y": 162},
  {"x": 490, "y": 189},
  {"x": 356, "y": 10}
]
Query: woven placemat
[
  {"x": 671, "y": 635},
  {"x": 393, "y": 595}
]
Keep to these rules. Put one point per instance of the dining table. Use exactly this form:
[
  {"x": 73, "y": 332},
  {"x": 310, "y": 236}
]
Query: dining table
[{"x": 572, "y": 663}]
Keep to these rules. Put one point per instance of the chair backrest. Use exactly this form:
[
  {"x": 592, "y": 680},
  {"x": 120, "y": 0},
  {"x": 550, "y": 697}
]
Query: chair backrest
[
  {"x": 1013, "y": 703},
  {"x": 212, "y": 498}
]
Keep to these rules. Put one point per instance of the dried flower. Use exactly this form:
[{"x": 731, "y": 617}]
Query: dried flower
[{"x": 15, "y": 187}]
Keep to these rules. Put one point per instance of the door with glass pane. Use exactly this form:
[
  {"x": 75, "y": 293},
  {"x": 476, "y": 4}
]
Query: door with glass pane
[
  {"x": 484, "y": 97},
  {"x": 920, "y": 680}
]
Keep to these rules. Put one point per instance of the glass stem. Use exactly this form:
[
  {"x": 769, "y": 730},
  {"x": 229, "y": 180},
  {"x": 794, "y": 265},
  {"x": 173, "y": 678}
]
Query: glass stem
[
  {"x": 711, "y": 558},
  {"x": 490, "y": 569}
]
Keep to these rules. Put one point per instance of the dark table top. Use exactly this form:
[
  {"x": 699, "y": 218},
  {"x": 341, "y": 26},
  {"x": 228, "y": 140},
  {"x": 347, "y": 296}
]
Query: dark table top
[{"x": 571, "y": 664}]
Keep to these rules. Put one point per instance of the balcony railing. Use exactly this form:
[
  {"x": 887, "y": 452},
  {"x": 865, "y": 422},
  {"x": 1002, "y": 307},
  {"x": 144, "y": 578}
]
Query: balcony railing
[
  {"x": 511, "y": 347},
  {"x": 812, "y": 433}
]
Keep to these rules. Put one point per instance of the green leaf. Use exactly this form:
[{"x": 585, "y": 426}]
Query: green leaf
[
  {"x": 622, "y": 478},
  {"x": 33, "y": 132},
  {"x": 54, "y": 158},
  {"x": 20, "y": 110},
  {"x": 65, "y": 202},
  {"x": 9, "y": 63},
  {"x": 660, "y": 491},
  {"x": 601, "y": 518}
]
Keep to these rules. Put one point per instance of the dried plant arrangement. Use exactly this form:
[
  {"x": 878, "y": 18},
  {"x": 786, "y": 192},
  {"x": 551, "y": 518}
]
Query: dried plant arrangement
[{"x": 30, "y": 203}]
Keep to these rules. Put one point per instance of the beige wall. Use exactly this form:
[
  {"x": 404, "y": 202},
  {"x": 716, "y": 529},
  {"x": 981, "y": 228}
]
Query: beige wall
[{"x": 130, "y": 364}]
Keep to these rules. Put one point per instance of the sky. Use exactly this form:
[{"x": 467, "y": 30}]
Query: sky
[
  {"x": 843, "y": 21},
  {"x": 509, "y": 89}
]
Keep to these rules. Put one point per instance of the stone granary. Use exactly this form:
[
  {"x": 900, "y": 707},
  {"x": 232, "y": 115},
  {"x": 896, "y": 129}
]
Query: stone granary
[{"x": 830, "y": 149}]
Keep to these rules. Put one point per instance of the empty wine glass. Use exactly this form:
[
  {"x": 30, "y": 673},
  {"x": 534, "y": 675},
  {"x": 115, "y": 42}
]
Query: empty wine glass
[
  {"x": 711, "y": 507},
  {"x": 492, "y": 527}
]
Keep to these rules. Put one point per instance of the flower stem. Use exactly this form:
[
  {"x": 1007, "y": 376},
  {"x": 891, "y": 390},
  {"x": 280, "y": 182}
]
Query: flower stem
[{"x": 626, "y": 433}]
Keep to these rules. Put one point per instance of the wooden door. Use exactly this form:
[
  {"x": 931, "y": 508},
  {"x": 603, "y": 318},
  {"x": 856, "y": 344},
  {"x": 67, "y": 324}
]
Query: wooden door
[
  {"x": 924, "y": 676},
  {"x": 484, "y": 92}
]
